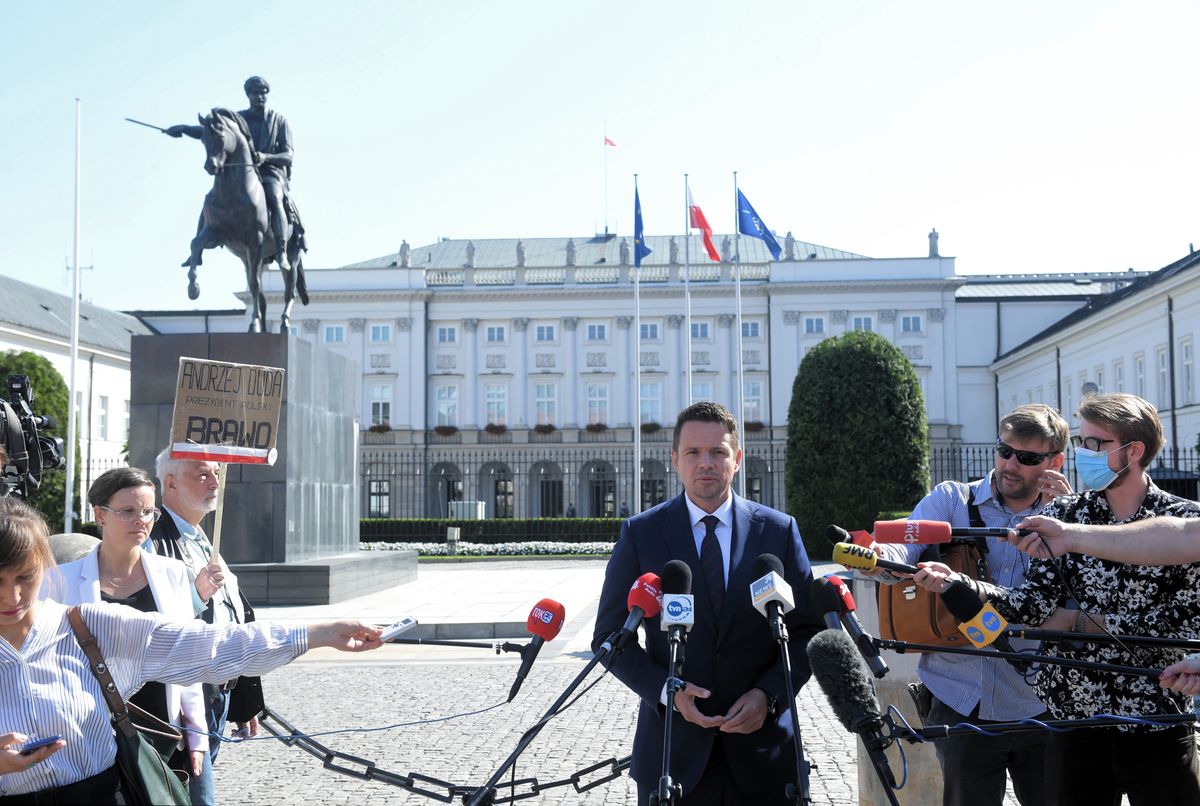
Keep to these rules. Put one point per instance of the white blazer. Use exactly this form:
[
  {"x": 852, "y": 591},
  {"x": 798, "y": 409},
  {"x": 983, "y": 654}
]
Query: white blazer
[{"x": 79, "y": 583}]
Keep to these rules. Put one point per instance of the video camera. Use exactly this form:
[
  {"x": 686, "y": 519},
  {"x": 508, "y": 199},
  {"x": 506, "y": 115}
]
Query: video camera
[{"x": 24, "y": 455}]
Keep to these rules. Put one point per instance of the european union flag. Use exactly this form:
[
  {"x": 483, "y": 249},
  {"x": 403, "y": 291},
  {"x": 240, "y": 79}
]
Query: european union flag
[
  {"x": 640, "y": 250},
  {"x": 750, "y": 224}
]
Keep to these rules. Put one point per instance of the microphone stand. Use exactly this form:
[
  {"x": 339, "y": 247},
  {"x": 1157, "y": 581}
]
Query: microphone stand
[
  {"x": 798, "y": 792},
  {"x": 486, "y": 794},
  {"x": 668, "y": 792},
  {"x": 933, "y": 732},
  {"x": 1102, "y": 638},
  {"x": 506, "y": 646},
  {"x": 905, "y": 646}
]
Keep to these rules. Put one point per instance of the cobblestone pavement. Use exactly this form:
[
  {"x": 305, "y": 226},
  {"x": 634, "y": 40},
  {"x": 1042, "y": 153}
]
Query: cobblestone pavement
[{"x": 323, "y": 695}]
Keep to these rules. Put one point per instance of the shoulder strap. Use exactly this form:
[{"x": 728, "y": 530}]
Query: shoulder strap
[
  {"x": 973, "y": 509},
  {"x": 108, "y": 686}
]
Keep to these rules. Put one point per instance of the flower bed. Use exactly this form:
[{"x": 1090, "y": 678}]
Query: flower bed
[{"x": 529, "y": 548}]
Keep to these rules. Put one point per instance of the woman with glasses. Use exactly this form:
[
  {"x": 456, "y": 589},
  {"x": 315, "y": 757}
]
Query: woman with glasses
[{"x": 118, "y": 571}]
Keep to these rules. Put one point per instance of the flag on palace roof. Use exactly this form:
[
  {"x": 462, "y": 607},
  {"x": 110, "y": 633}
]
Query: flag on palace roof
[
  {"x": 697, "y": 220},
  {"x": 750, "y": 224},
  {"x": 608, "y": 141},
  {"x": 640, "y": 250}
]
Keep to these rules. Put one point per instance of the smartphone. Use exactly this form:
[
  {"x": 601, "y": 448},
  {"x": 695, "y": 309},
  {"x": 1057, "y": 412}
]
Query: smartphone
[
  {"x": 38, "y": 744},
  {"x": 402, "y": 626}
]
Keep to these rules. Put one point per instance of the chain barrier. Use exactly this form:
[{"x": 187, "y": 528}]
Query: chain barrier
[{"x": 445, "y": 791}]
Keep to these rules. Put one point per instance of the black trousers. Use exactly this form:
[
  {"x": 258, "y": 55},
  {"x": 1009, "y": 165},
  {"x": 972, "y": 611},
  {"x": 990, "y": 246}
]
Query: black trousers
[
  {"x": 974, "y": 767},
  {"x": 1093, "y": 766},
  {"x": 717, "y": 787},
  {"x": 103, "y": 789}
]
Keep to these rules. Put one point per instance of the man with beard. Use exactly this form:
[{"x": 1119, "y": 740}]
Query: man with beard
[
  {"x": 1026, "y": 477},
  {"x": 189, "y": 494},
  {"x": 1119, "y": 436}
]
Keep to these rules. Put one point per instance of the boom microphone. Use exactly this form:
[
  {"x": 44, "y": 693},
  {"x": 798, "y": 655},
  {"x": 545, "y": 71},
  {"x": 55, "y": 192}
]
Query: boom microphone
[
  {"x": 927, "y": 532},
  {"x": 841, "y": 675},
  {"x": 980, "y": 622},
  {"x": 863, "y": 559},
  {"x": 545, "y": 620},
  {"x": 850, "y": 621}
]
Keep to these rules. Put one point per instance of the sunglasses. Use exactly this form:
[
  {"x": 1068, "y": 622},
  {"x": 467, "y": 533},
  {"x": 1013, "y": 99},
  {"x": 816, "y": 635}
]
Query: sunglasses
[{"x": 1029, "y": 458}]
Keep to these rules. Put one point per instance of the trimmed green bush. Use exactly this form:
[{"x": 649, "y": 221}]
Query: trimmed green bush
[
  {"x": 857, "y": 441},
  {"x": 492, "y": 530}
]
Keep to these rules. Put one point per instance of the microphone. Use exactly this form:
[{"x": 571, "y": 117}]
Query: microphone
[
  {"x": 545, "y": 620},
  {"x": 854, "y": 627},
  {"x": 927, "y": 532},
  {"x": 863, "y": 559},
  {"x": 836, "y": 534},
  {"x": 840, "y": 673},
  {"x": 825, "y": 600},
  {"x": 980, "y": 622},
  {"x": 678, "y": 604},
  {"x": 770, "y": 594},
  {"x": 645, "y": 601}
]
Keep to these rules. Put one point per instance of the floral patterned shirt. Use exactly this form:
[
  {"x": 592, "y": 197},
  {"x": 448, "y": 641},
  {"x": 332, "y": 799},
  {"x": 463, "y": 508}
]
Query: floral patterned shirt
[{"x": 1136, "y": 600}]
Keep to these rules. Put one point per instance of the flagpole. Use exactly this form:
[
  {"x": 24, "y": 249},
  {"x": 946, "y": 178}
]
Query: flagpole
[
  {"x": 72, "y": 413},
  {"x": 741, "y": 380},
  {"x": 637, "y": 361},
  {"x": 604, "y": 147},
  {"x": 687, "y": 286}
]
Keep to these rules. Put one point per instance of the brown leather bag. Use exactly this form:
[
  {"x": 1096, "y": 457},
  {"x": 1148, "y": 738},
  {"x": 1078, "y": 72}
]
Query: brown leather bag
[{"x": 908, "y": 612}]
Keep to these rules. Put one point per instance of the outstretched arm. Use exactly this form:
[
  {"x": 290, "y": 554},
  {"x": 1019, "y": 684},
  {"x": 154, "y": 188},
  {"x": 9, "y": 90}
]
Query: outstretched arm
[
  {"x": 1153, "y": 541},
  {"x": 182, "y": 129}
]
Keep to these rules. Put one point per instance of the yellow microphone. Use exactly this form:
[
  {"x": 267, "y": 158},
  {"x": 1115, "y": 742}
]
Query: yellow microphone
[{"x": 862, "y": 558}]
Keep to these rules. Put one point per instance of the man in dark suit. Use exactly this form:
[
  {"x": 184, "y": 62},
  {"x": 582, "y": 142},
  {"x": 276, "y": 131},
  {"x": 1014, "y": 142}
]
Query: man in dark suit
[
  {"x": 731, "y": 741},
  {"x": 189, "y": 494}
]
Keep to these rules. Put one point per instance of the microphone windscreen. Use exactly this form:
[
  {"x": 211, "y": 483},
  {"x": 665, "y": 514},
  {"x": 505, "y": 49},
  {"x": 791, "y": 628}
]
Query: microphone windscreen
[
  {"x": 546, "y": 619},
  {"x": 839, "y": 670},
  {"x": 961, "y": 601},
  {"x": 646, "y": 593},
  {"x": 765, "y": 564},
  {"x": 853, "y": 556},
  {"x": 843, "y": 592},
  {"x": 836, "y": 534},
  {"x": 922, "y": 532},
  {"x": 823, "y": 596},
  {"x": 677, "y": 577}
]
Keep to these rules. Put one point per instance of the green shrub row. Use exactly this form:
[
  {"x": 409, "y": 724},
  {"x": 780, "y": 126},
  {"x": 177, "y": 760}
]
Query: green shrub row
[{"x": 495, "y": 530}]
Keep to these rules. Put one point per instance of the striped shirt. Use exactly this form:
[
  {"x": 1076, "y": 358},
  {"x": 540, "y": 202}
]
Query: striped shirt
[
  {"x": 47, "y": 687},
  {"x": 962, "y": 681}
]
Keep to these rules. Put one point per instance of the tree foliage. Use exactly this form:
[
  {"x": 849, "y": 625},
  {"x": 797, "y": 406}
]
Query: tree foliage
[
  {"x": 857, "y": 441},
  {"x": 50, "y": 395}
]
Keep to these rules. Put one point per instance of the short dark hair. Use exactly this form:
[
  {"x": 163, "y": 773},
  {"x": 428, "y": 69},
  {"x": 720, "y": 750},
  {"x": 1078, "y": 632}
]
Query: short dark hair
[
  {"x": 1130, "y": 417},
  {"x": 113, "y": 481},
  {"x": 706, "y": 412},
  {"x": 1037, "y": 421}
]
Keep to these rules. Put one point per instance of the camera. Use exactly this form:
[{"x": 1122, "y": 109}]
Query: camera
[{"x": 24, "y": 454}]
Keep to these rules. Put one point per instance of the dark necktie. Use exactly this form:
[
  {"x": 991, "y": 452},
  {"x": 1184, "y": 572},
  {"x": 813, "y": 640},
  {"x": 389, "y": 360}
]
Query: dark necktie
[{"x": 714, "y": 566}]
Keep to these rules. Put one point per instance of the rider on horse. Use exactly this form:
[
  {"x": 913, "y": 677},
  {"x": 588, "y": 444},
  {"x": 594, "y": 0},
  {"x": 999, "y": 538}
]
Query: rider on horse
[{"x": 272, "y": 139}]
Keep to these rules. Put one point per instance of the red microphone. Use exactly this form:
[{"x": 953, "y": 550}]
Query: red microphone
[
  {"x": 645, "y": 601},
  {"x": 854, "y": 627},
  {"x": 843, "y": 590},
  {"x": 544, "y": 622},
  {"x": 928, "y": 532}
]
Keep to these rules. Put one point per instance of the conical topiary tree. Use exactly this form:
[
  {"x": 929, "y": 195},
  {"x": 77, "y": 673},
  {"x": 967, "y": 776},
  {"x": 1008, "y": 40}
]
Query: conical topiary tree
[{"x": 857, "y": 441}]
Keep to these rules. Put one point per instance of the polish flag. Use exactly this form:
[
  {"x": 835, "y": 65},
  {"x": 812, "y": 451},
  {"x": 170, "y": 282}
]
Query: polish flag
[
  {"x": 697, "y": 221},
  {"x": 608, "y": 141}
]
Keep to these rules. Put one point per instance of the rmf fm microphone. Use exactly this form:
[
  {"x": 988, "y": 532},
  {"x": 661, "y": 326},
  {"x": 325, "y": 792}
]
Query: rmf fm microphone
[
  {"x": 544, "y": 622},
  {"x": 929, "y": 532},
  {"x": 678, "y": 604},
  {"x": 863, "y": 559}
]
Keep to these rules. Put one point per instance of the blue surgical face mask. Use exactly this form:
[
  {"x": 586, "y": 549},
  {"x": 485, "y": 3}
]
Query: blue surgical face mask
[{"x": 1093, "y": 468}]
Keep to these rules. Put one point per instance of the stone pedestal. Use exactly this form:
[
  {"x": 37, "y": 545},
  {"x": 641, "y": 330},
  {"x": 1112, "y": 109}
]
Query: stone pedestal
[
  {"x": 924, "y": 785},
  {"x": 288, "y": 521}
]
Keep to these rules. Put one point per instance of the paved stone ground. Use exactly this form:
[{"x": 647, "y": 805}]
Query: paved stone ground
[{"x": 321, "y": 695}]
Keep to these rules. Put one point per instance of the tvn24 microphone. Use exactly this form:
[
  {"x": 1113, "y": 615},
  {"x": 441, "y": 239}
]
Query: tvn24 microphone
[
  {"x": 854, "y": 627},
  {"x": 980, "y": 622},
  {"x": 678, "y": 604},
  {"x": 927, "y": 532},
  {"x": 863, "y": 559},
  {"x": 544, "y": 622},
  {"x": 840, "y": 673}
]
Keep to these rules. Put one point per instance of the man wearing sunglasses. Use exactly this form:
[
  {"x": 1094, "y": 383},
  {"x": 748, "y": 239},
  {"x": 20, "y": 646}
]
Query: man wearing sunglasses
[
  {"x": 1026, "y": 476},
  {"x": 1119, "y": 436}
]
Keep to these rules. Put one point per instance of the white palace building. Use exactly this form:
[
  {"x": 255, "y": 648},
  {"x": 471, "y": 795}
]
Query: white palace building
[{"x": 499, "y": 375}]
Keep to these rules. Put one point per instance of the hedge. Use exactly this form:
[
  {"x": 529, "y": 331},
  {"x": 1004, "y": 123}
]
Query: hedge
[{"x": 490, "y": 531}]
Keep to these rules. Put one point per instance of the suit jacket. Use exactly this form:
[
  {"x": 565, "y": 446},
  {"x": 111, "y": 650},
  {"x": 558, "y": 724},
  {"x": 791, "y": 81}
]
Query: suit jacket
[
  {"x": 728, "y": 657},
  {"x": 79, "y": 583},
  {"x": 246, "y": 697}
]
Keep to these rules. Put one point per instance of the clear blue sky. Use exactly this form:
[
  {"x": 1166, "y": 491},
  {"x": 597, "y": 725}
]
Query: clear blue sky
[{"x": 1035, "y": 136}]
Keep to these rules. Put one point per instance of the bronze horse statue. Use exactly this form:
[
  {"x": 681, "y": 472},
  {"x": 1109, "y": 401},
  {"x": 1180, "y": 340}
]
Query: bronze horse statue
[{"x": 235, "y": 217}]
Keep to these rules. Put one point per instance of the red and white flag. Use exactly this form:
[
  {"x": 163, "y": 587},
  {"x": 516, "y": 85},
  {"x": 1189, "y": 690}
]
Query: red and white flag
[
  {"x": 608, "y": 141},
  {"x": 698, "y": 221}
]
